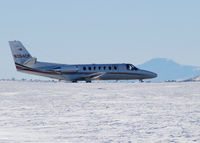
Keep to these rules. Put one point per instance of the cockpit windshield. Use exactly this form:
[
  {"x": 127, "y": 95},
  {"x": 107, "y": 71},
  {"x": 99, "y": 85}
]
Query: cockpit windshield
[{"x": 131, "y": 67}]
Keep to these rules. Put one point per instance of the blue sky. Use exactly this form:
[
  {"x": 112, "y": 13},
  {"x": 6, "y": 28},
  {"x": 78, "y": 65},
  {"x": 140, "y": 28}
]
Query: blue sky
[{"x": 100, "y": 31}]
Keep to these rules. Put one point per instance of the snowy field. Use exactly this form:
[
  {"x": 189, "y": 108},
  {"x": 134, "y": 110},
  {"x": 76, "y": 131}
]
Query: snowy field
[{"x": 32, "y": 112}]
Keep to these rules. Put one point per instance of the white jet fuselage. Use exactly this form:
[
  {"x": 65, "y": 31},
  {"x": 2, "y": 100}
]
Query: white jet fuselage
[{"x": 82, "y": 72}]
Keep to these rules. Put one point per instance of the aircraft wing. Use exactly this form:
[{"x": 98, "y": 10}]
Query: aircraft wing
[
  {"x": 92, "y": 76},
  {"x": 95, "y": 75}
]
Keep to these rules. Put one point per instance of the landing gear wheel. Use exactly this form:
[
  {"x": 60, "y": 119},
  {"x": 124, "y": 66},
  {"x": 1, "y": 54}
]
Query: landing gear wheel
[{"x": 141, "y": 80}]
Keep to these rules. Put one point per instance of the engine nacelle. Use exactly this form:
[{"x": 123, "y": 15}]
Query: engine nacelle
[{"x": 66, "y": 69}]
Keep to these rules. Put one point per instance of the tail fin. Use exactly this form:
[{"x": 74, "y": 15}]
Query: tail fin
[{"x": 20, "y": 54}]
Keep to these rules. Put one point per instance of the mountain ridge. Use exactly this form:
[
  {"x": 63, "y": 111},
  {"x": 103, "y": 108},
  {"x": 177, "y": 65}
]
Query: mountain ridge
[
  {"x": 194, "y": 79},
  {"x": 168, "y": 69}
]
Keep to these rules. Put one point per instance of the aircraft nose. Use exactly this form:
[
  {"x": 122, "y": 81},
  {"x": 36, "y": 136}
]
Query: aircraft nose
[
  {"x": 153, "y": 75},
  {"x": 150, "y": 74}
]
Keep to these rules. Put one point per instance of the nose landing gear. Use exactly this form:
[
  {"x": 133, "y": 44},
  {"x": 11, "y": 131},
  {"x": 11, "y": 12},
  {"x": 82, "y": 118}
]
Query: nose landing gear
[{"x": 88, "y": 81}]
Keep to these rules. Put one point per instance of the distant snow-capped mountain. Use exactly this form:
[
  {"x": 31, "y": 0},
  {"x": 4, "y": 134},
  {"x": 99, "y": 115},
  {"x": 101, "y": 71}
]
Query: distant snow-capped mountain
[
  {"x": 170, "y": 70},
  {"x": 195, "y": 79}
]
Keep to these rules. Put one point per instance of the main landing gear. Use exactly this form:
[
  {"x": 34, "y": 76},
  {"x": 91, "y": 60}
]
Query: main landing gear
[
  {"x": 87, "y": 81},
  {"x": 74, "y": 81},
  {"x": 141, "y": 80}
]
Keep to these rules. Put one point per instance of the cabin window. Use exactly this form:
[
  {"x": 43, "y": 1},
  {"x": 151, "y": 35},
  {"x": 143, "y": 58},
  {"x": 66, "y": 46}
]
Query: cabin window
[
  {"x": 135, "y": 68},
  {"x": 89, "y": 68},
  {"x": 128, "y": 67},
  {"x": 109, "y": 68},
  {"x": 104, "y": 67},
  {"x": 84, "y": 68},
  {"x": 99, "y": 68},
  {"x": 115, "y": 67},
  {"x": 94, "y": 68}
]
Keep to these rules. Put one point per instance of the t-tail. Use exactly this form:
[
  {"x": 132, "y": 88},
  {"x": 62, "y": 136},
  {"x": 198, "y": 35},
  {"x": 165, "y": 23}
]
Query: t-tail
[{"x": 20, "y": 55}]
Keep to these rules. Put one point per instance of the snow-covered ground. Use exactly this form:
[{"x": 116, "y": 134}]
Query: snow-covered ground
[{"x": 99, "y": 112}]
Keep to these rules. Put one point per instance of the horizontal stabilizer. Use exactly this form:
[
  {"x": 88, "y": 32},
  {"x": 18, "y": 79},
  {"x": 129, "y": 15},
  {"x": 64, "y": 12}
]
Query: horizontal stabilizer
[{"x": 30, "y": 61}]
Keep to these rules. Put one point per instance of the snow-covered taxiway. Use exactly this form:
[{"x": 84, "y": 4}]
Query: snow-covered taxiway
[{"x": 99, "y": 112}]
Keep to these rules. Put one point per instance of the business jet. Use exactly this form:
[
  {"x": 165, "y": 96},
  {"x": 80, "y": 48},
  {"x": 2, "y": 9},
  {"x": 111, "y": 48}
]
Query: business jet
[{"x": 25, "y": 63}]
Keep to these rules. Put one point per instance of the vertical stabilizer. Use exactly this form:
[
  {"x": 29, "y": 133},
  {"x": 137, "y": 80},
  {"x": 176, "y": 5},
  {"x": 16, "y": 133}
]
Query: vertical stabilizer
[{"x": 20, "y": 54}]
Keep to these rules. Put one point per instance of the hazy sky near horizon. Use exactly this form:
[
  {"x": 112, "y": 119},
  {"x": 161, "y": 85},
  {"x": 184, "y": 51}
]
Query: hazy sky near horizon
[{"x": 100, "y": 31}]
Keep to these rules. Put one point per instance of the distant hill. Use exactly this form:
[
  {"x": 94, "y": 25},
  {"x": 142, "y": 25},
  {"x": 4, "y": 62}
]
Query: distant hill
[
  {"x": 195, "y": 79},
  {"x": 170, "y": 70}
]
